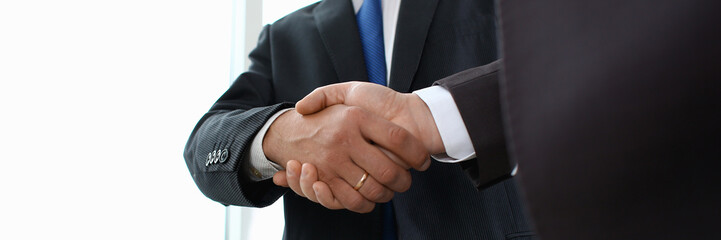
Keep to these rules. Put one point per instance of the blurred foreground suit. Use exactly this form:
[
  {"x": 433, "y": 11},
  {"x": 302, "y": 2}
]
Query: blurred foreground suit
[
  {"x": 320, "y": 45},
  {"x": 613, "y": 113}
]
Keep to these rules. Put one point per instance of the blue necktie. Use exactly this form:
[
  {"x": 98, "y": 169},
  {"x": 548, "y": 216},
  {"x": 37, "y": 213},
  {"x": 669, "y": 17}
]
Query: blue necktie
[{"x": 370, "y": 26}]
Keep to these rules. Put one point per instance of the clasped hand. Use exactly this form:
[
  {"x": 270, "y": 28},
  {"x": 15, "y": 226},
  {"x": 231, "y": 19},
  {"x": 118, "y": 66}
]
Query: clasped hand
[{"x": 341, "y": 131}]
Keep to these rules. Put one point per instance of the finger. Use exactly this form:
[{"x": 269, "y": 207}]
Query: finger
[
  {"x": 370, "y": 189},
  {"x": 374, "y": 191},
  {"x": 322, "y": 97},
  {"x": 280, "y": 179},
  {"x": 348, "y": 197},
  {"x": 308, "y": 176},
  {"x": 325, "y": 196},
  {"x": 292, "y": 170},
  {"x": 393, "y": 138},
  {"x": 395, "y": 158},
  {"x": 382, "y": 169}
]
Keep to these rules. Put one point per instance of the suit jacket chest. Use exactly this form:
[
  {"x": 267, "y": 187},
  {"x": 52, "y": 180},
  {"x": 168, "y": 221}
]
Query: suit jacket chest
[{"x": 433, "y": 39}]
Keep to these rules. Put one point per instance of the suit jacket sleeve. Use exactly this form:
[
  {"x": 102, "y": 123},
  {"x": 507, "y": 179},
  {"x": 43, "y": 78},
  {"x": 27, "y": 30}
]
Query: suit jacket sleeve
[
  {"x": 477, "y": 96},
  {"x": 217, "y": 146}
]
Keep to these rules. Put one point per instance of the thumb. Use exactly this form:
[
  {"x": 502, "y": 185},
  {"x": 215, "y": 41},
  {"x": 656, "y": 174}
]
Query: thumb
[
  {"x": 322, "y": 98},
  {"x": 280, "y": 179}
]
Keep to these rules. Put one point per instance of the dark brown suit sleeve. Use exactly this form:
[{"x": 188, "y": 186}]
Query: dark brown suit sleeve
[{"x": 476, "y": 93}]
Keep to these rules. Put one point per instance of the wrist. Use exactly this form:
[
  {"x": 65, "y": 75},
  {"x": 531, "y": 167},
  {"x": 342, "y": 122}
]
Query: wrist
[
  {"x": 427, "y": 129},
  {"x": 272, "y": 141}
]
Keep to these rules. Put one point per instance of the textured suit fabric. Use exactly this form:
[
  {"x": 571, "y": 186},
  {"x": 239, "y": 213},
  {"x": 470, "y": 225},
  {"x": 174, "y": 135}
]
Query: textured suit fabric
[
  {"x": 612, "y": 111},
  {"x": 320, "y": 45}
]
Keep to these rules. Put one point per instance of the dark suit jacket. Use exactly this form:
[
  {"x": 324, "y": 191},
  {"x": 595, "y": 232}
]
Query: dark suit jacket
[
  {"x": 319, "y": 45},
  {"x": 613, "y": 112}
]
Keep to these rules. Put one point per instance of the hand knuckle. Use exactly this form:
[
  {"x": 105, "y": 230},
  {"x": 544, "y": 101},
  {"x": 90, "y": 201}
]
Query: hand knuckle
[
  {"x": 355, "y": 202},
  {"x": 397, "y": 135},
  {"x": 417, "y": 160},
  {"x": 404, "y": 182},
  {"x": 420, "y": 159},
  {"x": 388, "y": 175},
  {"x": 404, "y": 186},
  {"x": 366, "y": 208},
  {"x": 376, "y": 193},
  {"x": 353, "y": 113}
]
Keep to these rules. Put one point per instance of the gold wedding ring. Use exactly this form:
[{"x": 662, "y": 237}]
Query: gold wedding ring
[{"x": 361, "y": 181}]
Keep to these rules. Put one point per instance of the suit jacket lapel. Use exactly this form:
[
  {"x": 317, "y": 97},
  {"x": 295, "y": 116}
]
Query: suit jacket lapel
[
  {"x": 336, "y": 23},
  {"x": 414, "y": 19}
]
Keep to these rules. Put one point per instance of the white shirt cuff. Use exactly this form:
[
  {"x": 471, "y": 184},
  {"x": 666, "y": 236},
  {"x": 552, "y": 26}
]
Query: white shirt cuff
[
  {"x": 449, "y": 123},
  {"x": 258, "y": 165}
]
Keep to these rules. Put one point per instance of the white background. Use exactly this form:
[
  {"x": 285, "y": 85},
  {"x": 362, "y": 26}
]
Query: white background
[{"x": 97, "y": 101}]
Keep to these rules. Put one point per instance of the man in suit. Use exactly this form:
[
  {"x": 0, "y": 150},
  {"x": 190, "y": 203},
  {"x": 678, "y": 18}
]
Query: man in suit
[
  {"x": 320, "y": 45},
  {"x": 611, "y": 109}
]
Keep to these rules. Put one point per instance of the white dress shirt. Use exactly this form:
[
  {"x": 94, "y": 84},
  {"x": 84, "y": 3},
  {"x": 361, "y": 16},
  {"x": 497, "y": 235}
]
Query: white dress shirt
[{"x": 448, "y": 119}]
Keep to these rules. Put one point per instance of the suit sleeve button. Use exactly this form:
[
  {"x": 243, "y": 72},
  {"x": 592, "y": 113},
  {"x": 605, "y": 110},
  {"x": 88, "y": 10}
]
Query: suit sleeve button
[
  {"x": 208, "y": 159},
  {"x": 224, "y": 156}
]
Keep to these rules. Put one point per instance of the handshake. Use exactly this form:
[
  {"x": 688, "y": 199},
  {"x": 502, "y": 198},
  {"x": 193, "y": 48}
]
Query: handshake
[{"x": 351, "y": 145}]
